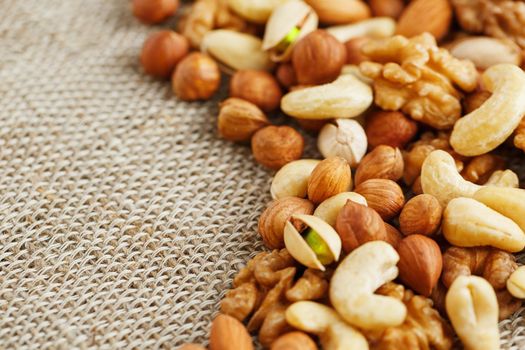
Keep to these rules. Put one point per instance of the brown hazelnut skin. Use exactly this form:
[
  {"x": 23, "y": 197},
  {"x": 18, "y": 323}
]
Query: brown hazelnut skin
[
  {"x": 318, "y": 58},
  {"x": 154, "y": 11},
  {"x": 196, "y": 77},
  {"x": 421, "y": 215},
  {"x": 389, "y": 128},
  {"x": 238, "y": 120},
  {"x": 161, "y": 53},
  {"x": 353, "y": 50},
  {"x": 388, "y": 8},
  {"x": 275, "y": 146},
  {"x": 286, "y": 76},
  {"x": 257, "y": 87}
]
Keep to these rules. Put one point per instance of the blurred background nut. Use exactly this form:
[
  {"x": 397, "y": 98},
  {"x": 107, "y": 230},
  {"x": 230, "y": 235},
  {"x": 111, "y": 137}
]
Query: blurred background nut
[
  {"x": 274, "y": 218},
  {"x": 383, "y": 195},
  {"x": 344, "y": 138},
  {"x": 257, "y": 87},
  {"x": 294, "y": 341},
  {"x": 354, "y": 55},
  {"x": 275, "y": 146},
  {"x": 256, "y": 11},
  {"x": 285, "y": 74},
  {"x": 196, "y": 77},
  {"x": 161, "y": 53},
  {"x": 486, "y": 51},
  {"x": 389, "y": 128},
  {"x": 312, "y": 125},
  {"x": 227, "y": 333},
  {"x": 357, "y": 224},
  {"x": 192, "y": 347},
  {"x": 420, "y": 263},
  {"x": 330, "y": 177},
  {"x": 432, "y": 16},
  {"x": 516, "y": 283},
  {"x": 239, "y": 120},
  {"x": 474, "y": 100},
  {"x": 384, "y": 162},
  {"x": 154, "y": 11},
  {"x": 481, "y": 168},
  {"x": 388, "y": 8},
  {"x": 318, "y": 58},
  {"x": 340, "y": 11},
  {"x": 421, "y": 215}
]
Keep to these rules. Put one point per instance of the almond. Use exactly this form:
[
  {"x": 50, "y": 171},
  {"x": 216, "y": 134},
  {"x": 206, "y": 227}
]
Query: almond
[
  {"x": 227, "y": 333},
  {"x": 420, "y": 263},
  {"x": 421, "y": 215},
  {"x": 383, "y": 195},
  {"x": 433, "y": 16},
  {"x": 384, "y": 162},
  {"x": 330, "y": 177}
]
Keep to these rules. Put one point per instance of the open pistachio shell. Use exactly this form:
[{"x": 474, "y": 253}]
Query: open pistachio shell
[
  {"x": 299, "y": 248},
  {"x": 330, "y": 208},
  {"x": 234, "y": 51},
  {"x": 257, "y": 11},
  {"x": 378, "y": 27},
  {"x": 283, "y": 21}
]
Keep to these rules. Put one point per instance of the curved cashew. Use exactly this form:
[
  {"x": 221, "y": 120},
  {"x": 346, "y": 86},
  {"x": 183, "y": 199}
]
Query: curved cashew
[
  {"x": 377, "y": 27},
  {"x": 440, "y": 178},
  {"x": 490, "y": 125},
  {"x": 357, "y": 277},
  {"x": 469, "y": 223},
  {"x": 322, "y": 320},
  {"x": 330, "y": 208},
  {"x": 473, "y": 310},
  {"x": 292, "y": 179},
  {"x": 346, "y": 97},
  {"x": 507, "y": 201}
]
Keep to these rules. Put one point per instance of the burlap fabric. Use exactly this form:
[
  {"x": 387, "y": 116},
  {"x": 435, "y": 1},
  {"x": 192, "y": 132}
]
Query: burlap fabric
[{"x": 123, "y": 218}]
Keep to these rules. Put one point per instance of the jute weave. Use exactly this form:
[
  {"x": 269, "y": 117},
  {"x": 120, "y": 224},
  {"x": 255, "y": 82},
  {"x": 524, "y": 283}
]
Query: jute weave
[{"x": 123, "y": 218}]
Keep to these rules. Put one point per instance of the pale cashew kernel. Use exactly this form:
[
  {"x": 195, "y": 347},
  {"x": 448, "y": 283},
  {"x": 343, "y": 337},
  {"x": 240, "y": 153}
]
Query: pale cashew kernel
[
  {"x": 473, "y": 310},
  {"x": 440, "y": 178},
  {"x": 503, "y": 178},
  {"x": 292, "y": 179},
  {"x": 319, "y": 319},
  {"x": 346, "y": 97},
  {"x": 356, "y": 279},
  {"x": 487, "y": 127},
  {"x": 377, "y": 27},
  {"x": 516, "y": 283},
  {"x": 330, "y": 208},
  {"x": 469, "y": 223},
  {"x": 507, "y": 201}
]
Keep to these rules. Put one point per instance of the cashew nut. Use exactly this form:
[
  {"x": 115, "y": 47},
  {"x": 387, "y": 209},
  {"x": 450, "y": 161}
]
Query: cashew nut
[
  {"x": 490, "y": 125},
  {"x": 346, "y": 97},
  {"x": 355, "y": 280},
  {"x": 469, "y": 223},
  {"x": 516, "y": 283},
  {"x": 292, "y": 179},
  {"x": 440, "y": 178},
  {"x": 330, "y": 208},
  {"x": 378, "y": 27},
  {"x": 473, "y": 310},
  {"x": 507, "y": 201},
  {"x": 319, "y": 319}
]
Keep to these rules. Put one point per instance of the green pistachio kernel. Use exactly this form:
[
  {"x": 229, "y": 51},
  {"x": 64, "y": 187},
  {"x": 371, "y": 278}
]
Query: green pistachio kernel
[
  {"x": 288, "y": 39},
  {"x": 319, "y": 247}
]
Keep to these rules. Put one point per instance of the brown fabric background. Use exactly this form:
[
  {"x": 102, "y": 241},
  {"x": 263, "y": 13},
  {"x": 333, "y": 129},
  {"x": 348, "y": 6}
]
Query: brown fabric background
[{"x": 123, "y": 218}]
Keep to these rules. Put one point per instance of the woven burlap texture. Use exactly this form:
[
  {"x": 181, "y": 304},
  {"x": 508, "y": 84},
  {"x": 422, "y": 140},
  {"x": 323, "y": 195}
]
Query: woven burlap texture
[{"x": 123, "y": 218}]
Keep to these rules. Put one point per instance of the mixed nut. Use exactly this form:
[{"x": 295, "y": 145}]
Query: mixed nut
[{"x": 403, "y": 236}]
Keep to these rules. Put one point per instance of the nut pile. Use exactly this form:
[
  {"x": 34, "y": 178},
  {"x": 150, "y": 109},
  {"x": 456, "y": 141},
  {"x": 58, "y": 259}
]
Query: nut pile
[{"x": 403, "y": 236}]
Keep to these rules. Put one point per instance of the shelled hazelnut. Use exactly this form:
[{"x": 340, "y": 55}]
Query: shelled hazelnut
[
  {"x": 197, "y": 77},
  {"x": 161, "y": 53},
  {"x": 154, "y": 11}
]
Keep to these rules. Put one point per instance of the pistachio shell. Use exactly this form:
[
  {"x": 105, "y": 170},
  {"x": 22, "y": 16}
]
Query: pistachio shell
[
  {"x": 301, "y": 251},
  {"x": 330, "y": 208},
  {"x": 378, "y": 27},
  {"x": 257, "y": 11},
  {"x": 282, "y": 20},
  {"x": 235, "y": 51}
]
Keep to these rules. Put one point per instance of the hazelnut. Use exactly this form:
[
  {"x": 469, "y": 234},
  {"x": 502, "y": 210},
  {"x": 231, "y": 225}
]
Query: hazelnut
[
  {"x": 420, "y": 263},
  {"x": 354, "y": 55},
  {"x": 474, "y": 100},
  {"x": 393, "y": 236},
  {"x": 330, "y": 177},
  {"x": 417, "y": 187},
  {"x": 197, "y": 77},
  {"x": 239, "y": 120},
  {"x": 275, "y": 216},
  {"x": 192, "y": 347},
  {"x": 481, "y": 168},
  {"x": 383, "y": 195},
  {"x": 389, "y": 128},
  {"x": 257, "y": 87},
  {"x": 414, "y": 161},
  {"x": 357, "y": 224},
  {"x": 154, "y": 11},
  {"x": 312, "y": 125},
  {"x": 387, "y": 8},
  {"x": 161, "y": 53},
  {"x": 384, "y": 162},
  {"x": 286, "y": 75},
  {"x": 275, "y": 146},
  {"x": 294, "y": 341},
  {"x": 318, "y": 58},
  {"x": 421, "y": 215}
]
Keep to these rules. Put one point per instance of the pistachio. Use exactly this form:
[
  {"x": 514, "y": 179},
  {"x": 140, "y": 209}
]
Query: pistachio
[
  {"x": 234, "y": 51},
  {"x": 346, "y": 139},
  {"x": 319, "y": 246},
  {"x": 346, "y": 97},
  {"x": 292, "y": 179},
  {"x": 257, "y": 11},
  {"x": 378, "y": 27},
  {"x": 288, "y": 23}
]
